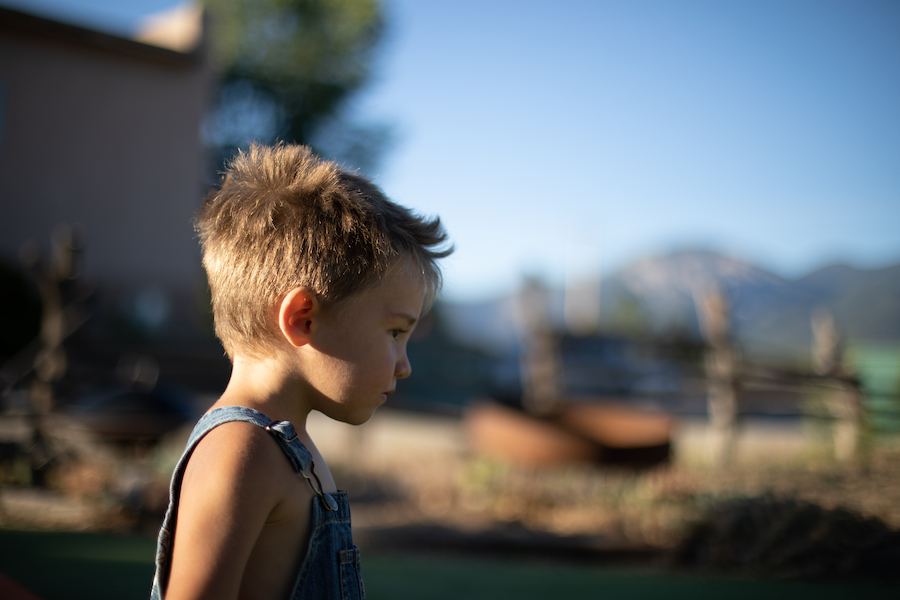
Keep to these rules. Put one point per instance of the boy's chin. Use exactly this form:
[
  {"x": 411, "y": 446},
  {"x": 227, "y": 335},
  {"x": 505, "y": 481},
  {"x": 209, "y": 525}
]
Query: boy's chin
[{"x": 354, "y": 418}]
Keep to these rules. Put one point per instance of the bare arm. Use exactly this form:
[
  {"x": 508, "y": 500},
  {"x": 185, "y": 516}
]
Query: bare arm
[{"x": 233, "y": 486}]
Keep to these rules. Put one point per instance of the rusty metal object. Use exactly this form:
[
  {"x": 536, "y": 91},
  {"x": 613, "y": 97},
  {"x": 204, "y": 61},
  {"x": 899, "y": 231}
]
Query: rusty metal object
[{"x": 577, "y": 433}]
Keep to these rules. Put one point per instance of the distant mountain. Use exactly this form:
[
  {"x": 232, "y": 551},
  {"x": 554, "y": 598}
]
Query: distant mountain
[
  {"x": 771, "y": 315},
  {"x": 865, "y": 303},
  {"x": 666, "y": 286}
]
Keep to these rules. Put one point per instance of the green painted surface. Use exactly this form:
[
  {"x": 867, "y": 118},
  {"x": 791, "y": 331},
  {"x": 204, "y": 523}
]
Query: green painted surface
[{"x": 62, "y": 566}]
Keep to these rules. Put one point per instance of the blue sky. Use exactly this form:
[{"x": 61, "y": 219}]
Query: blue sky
[{"x": 571, "y": 137}]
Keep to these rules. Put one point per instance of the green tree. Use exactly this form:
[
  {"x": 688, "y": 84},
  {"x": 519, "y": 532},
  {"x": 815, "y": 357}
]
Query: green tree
[{"x": 286, "y": 71}]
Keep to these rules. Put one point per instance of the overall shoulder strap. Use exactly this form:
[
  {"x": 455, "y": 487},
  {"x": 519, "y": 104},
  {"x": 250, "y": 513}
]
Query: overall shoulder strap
[{"x": 283, "y": 431}]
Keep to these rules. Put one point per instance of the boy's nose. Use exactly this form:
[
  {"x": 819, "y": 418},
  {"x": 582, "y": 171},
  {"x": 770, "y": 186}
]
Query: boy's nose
[{"x": 403, "y": 369}]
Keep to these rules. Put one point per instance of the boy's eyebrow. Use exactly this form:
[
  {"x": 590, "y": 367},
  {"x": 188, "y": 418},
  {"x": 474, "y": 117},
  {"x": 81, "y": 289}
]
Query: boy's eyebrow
[{"x": 410, "y": 320}]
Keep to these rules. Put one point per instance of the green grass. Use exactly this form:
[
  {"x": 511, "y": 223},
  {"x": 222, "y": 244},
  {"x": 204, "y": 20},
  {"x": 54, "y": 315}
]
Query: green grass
[
  {"x": 58, "y": 566},
  {"x": 394, "y": 577},
  {"x": 62, "y": 566}
]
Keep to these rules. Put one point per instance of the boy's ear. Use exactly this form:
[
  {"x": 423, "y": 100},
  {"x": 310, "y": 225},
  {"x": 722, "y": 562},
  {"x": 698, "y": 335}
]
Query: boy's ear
[{"x": 296, "y": 313}]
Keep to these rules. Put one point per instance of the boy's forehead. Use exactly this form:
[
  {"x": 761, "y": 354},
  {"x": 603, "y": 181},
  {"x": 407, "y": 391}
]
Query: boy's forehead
[
  {"x": 401, "y": 290},
  {"x": 402, "y": 285}
]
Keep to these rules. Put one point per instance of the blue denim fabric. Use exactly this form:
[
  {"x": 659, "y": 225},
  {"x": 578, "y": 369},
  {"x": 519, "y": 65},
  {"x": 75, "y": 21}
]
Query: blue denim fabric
[{"x": 330, "y": 569}]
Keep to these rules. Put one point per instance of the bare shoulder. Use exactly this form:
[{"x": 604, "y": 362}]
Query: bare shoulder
[
  {"x": 237, "y": 484},
  {"x": 239, "y": 468},
  {"x": 236, "y": 445}
]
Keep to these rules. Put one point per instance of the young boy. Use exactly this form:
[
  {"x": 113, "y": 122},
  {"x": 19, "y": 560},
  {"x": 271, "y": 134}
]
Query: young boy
[{"x": 317, "y": 281}]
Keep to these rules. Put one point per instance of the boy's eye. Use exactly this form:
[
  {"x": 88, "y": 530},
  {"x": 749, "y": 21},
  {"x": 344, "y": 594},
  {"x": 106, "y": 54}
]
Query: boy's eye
[{"x": 395, "y": 333}]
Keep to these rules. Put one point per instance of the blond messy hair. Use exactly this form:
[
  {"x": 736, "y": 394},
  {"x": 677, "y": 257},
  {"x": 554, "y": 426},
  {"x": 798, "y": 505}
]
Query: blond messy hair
[{"x": 284, "y": 218}]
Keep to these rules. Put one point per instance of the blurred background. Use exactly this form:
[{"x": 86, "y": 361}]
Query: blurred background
[{"x": 669, "y": 334}]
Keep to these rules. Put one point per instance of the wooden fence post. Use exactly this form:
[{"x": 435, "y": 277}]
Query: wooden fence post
[
  {"x": 722, "y": 362},
  {"x": 842, "y": 393},
  {"x": 540, "y": 362}
]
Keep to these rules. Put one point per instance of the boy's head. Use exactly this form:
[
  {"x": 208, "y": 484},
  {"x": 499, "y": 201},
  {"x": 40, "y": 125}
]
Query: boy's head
[{"x": 283, "y": 219}]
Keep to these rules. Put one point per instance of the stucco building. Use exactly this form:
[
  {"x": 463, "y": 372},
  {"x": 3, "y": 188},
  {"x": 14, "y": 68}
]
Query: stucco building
[{"x": 104, "y": 132}]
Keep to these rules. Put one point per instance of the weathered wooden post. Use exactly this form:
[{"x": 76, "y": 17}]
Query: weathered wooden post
[
  {"x": 55, "y": 280},
  {"x": 540, "y": 353},
  {"x": 722, "y": 362},
  {"x": 841, "y": 389}
]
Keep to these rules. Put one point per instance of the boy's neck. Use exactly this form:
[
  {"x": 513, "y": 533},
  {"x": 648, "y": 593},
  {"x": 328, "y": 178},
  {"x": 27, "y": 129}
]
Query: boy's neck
[{"x": 269, "y": 386}]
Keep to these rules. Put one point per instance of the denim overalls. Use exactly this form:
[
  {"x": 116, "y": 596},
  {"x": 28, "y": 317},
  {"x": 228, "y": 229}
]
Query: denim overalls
[{"x": 330, "y": 569}]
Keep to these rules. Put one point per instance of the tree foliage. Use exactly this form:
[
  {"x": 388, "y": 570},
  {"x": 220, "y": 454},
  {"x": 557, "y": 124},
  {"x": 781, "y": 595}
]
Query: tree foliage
[{"x": 287, "y": 69}]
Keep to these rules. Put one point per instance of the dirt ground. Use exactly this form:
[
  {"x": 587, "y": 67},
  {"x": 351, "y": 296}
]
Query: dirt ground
[
  {"x": 415, "y": 483},
  {"x": 427, "y": 460}
]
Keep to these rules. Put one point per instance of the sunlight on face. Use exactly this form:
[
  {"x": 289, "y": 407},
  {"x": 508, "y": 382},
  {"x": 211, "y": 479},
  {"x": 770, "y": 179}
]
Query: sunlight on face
[{"x": 361, "y": 346}]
